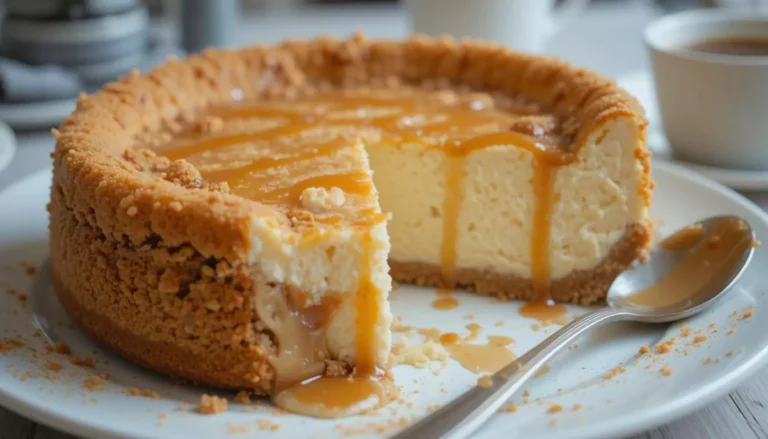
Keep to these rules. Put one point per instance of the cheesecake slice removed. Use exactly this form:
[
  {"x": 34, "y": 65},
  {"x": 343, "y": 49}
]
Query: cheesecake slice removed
[
  {"x": 234, "y": 219},
  {"x": 306, "y": 312},
  {"x": 323, "y": 278}
]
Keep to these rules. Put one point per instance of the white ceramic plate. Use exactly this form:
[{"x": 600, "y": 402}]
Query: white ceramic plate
[
  {"x": 638, "y": 398},
  {"x": 7, "y": 145},
  {"x": 641, "y": 85}
]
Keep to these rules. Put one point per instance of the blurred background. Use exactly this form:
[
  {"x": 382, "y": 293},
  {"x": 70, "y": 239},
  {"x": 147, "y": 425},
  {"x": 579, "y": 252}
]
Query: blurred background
[{"x": 53, "y": 49}]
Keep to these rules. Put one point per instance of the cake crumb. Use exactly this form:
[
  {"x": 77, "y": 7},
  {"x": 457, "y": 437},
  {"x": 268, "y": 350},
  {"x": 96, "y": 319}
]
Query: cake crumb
[
  {"x": 685, "y": 331},
  {"x": 746, "y": 315},
  {"x": 418, "y": 355},
  {"x": 526, "y": 394},
  {"x": 485, "y": 381},
  {"x": 335, "y": 368},
  {"x": 700, "y": 339},
  {"x": 62, "y": 348},
  {"x": 93, "y": 383},
  {"x": 511, "y": 408},
  {"x": 319, "y": 199},
  {"x": 10, "y": 344},
  {"x": 264, "y": 424},
  {"x": 615, "y": 371},
  {"x": 243, "y": 397},
  {"x": 430, "y": 334},
  {"x": 211, "y": 405},
  {"x": 146, "y": 393},
  {"x": 576, "y": 407},
  {"x": 499, "y": 323},
  {"x": 729, "y": 353},
  {"x": 54, "y": 366},
  {"x": 82, "y": 361},
  {"x": 643, "y": 350},
  {"x": 237, "y": 429},
  {"x": 665, "y": 347},
  {"x": 554, "y": 408},
  {"x": 29, "y": 268},
  {"x": 666, "y": 371}
]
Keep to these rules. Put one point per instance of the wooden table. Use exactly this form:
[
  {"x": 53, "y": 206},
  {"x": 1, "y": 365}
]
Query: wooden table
[{"x": 608, "y": 39}]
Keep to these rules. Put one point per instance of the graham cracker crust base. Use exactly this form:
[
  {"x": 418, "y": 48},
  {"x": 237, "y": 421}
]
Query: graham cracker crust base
[
  {"x": 582, "y": 287},
  {"x": 167, "y": 308},
  {"x": 214, "y": 370}
]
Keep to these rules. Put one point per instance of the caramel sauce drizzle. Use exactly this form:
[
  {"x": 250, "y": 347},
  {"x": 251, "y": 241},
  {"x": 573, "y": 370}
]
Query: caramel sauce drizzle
[
  {"x": 457, "y": 129},
  {"x": 367, "y": 308},
  {"x": 330, "y": 397},
  {"x": 488, "y": 357}
]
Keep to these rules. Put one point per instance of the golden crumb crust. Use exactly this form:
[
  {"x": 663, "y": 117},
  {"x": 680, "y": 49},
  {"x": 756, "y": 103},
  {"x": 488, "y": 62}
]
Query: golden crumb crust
[{"x": 168, "y": 308}]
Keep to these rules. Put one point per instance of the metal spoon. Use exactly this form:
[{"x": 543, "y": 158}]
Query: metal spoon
[{"x": 472, "y": 409}]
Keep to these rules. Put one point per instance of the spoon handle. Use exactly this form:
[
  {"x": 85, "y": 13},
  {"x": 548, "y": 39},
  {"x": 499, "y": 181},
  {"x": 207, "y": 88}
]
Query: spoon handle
[{"x": 461, "y": 417}]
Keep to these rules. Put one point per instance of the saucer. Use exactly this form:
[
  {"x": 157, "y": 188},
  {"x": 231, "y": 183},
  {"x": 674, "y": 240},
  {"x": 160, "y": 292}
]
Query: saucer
[{"x": 641, "y": 85}]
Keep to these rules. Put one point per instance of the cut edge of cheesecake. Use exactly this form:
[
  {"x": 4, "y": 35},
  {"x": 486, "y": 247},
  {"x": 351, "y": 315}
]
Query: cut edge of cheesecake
[{"x": 100, "y": 194}]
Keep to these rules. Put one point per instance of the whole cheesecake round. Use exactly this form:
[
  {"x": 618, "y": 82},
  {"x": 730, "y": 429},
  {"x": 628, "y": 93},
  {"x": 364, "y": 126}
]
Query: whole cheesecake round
[{"x": 234, "y": 219}]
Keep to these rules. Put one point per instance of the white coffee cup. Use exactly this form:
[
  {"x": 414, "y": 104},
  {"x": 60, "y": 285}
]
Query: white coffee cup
[
  {"x": 714, "y": 107},
  {"x": 523, "y": 25}
]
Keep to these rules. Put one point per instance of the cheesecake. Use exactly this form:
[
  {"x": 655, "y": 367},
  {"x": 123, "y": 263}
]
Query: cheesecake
[{"x": 237, "y": 219}]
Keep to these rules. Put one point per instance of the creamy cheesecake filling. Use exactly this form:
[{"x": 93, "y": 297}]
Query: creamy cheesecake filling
[{"x": 453, "y": 123}]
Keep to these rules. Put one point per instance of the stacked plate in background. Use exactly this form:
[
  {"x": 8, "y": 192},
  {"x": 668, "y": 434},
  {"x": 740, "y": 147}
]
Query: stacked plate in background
[{"x": 80, "y": 44}]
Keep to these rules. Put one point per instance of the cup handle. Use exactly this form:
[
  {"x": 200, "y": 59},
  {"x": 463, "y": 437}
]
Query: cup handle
[{"x": 565, "y": 14}]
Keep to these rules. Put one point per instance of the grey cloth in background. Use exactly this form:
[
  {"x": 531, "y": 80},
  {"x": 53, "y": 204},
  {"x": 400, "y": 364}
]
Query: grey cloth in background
[{"x": 20, "y": 82}]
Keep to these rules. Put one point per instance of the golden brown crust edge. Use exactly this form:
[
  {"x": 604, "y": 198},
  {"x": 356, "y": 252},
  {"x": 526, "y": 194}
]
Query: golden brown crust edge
[
  {"x": 169, "y": 308},
  {"x": 582, "y": 287},
  {"x": 110, "y": 194}
]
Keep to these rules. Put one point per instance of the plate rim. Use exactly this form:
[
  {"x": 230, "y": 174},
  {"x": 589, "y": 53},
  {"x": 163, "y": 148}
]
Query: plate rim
[
  {"x": 8, "y": 145},
  {"x": 618, "y": 425}
]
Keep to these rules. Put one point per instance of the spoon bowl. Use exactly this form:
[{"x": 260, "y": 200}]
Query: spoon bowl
[
  {"x": 714, "y": 281},
  {"x": 686, "y": 273}
]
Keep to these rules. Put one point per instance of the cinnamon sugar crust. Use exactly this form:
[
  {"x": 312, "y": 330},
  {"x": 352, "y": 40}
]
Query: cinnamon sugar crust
[{"x": 581, "y": 287}]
